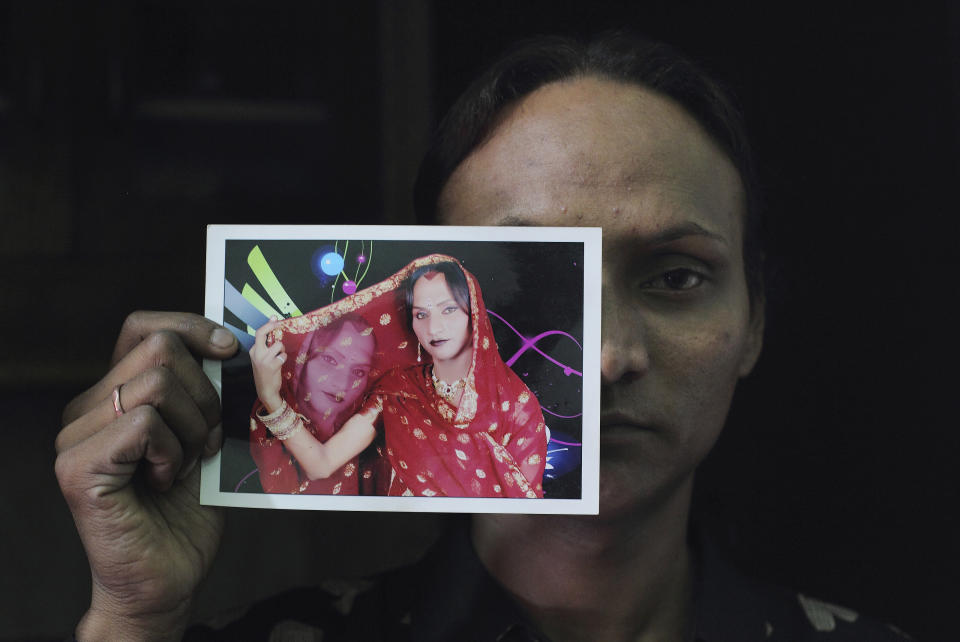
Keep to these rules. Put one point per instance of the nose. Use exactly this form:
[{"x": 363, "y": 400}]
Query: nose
[
  {"x": 341, "y": 379},
  {"x": 623, "y": 350},
  {"x": 436, "y": 324}
]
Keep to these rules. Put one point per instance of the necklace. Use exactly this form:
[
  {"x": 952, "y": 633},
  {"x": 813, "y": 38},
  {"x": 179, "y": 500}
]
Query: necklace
[{"x": 449, "y": 391}]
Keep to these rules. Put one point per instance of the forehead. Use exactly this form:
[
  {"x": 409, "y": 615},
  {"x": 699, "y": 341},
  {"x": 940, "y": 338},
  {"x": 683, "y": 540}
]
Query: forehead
[
  {"x": 431, "y": 288},
  {"x": 349, "y": 343},
  {"x": 596, "y": 152}
]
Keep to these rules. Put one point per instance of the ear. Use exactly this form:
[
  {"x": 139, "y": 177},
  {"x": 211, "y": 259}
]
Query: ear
[{"x": 754, "y": 340}]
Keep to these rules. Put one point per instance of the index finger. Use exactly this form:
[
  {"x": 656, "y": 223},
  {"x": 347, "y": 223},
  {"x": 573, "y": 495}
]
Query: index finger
[{"x": 202, "y": 336}]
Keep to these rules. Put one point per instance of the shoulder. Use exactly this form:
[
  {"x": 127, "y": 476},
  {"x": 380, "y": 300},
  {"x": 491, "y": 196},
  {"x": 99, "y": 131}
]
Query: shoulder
[
  {"x": 731, "y": 606},
  {"x": 334, "y": 610}
]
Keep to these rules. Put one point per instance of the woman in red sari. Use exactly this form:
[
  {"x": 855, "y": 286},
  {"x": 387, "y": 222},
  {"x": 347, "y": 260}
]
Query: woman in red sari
[
  {"x": 325, "y": 385},
  {"x": 455, "y": 420}
]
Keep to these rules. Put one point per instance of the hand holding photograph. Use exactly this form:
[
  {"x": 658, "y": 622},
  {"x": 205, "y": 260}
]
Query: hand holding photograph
[{"x": 410, "y": 393}]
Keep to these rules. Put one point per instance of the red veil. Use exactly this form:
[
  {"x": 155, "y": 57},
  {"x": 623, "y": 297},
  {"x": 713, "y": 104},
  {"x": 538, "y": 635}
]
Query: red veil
[
  {"x": 279, "y": 471},
  {"x": 492, "y": 445}
]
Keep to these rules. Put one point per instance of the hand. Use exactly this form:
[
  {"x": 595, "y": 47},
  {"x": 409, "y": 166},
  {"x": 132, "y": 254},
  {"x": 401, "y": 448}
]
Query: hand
[
  {"x": 266, "y": 363},
  {"x": 131, "y": 480}
]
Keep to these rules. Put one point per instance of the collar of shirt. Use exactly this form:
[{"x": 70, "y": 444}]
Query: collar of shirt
[{"x": 458, "y": 599}]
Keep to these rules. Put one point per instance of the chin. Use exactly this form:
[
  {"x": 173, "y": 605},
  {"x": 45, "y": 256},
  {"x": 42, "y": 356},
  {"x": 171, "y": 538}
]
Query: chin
[{"x": 634, "y": 489}]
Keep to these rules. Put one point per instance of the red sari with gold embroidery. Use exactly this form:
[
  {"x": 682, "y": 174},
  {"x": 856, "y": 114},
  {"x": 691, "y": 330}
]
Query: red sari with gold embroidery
[
  {"x": 492, "y": 445},
  {"x": 279, "y": 471}
]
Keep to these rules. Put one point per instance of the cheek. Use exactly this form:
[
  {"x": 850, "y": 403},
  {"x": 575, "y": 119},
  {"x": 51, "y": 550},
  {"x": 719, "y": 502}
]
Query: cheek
[
  {"x": 701, "y": 364},
  {"x": 418, "y": 328},
  {"x": 352, "y": 393}
]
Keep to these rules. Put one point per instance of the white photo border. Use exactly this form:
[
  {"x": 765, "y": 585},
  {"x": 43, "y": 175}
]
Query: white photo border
[{"x": 590, "y": 237}]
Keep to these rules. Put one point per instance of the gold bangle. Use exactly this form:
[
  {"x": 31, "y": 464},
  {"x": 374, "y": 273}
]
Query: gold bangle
[{"x": 297, "y": 427}]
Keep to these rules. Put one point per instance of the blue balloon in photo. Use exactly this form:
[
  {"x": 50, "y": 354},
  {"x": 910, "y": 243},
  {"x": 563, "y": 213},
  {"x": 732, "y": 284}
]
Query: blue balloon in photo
[{"x": 331, "y": 263}]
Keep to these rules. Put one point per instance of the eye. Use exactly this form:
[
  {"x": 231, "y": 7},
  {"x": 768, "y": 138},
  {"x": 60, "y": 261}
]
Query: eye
[
  {"x": 329, "y": 359},
  {"x": 359, "y": 373},
  {"x": 450, "y": 309},
  {"x": 419, "y": 315},
  {"x": 676, "y": 280}
]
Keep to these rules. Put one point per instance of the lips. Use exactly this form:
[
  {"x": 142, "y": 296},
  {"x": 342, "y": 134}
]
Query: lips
[
  {"x": 613, "y": 420},
  {"x": 334, "y": 397},
  {"x": 438, "y": 342}
]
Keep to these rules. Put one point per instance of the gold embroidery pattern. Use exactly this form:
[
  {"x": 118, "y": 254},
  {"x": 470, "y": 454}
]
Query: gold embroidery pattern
[
  {"x": 460, "y": 454},
  {"x": 336, "y": 489},
  {"x": 403, "y": 464},
  {"x": 302, "y": 358},
  {"x": 403, "y": 344},
  {"x": 480, "y": 473},
  {"x": 524, "y": 397},
  {"x": 506, "y": 440},
  {"x": 505, "y": 406},
  {"x": 486, "y": 343},
  {"x": 428, "y": 493},
  {"x": 419, "y": 434},
  {"x": 326, "y": 315},
  {"x": 493, "y": 427},
  {"x": 408, "y": 493},
  {"x": 463, "y": 438},
  {"x": 349, "y": 469},
  {"x": 443, "y": 437},
  {"x": 533, "y": 459},
  {"x": 367, "y": 332},
  {"x": 253, "y": 424},
  {"x": 497, "y": 489}
]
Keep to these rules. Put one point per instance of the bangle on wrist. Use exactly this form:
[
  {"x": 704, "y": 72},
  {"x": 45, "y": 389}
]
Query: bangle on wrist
[{"x": 283, "y": 423}]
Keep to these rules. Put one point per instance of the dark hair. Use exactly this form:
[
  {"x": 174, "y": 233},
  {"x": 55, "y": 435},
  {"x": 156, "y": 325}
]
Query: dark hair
[
  {"x": 618, "y": 56},
  {"x": 456, "y": 281}
]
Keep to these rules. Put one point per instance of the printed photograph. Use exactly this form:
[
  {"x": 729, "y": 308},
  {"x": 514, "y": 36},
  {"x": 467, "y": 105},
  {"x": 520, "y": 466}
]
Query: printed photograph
[{"x": 381, "y": 372}]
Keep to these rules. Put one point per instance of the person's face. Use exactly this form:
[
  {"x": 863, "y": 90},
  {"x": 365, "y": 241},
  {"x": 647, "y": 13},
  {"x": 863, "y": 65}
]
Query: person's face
[
  {"x": 678, "y": 330},
  {"x": 441, "y": 326},
  {"x": 336, "y": 375}
]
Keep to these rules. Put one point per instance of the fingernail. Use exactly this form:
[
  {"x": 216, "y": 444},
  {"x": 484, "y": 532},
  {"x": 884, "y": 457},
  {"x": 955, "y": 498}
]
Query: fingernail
[
  {"x": 213, "y": 439},
  {"x": 222, "y": 338}
]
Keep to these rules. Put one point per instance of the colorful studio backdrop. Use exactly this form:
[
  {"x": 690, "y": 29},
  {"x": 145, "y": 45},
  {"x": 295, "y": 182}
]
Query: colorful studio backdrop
[{"x": 533, "y": 293}]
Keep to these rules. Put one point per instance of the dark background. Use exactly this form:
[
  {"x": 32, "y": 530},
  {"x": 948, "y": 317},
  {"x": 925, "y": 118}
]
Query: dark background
[{"x": 126, "y": 127}]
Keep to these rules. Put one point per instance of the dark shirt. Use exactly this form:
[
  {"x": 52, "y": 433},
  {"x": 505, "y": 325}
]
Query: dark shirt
[{"x": 450, "y": 596}]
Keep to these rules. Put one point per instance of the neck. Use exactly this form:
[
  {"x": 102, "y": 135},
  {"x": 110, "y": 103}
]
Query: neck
[
  {"x": 588, "y": 578},
  {"x": 457, "y": 367}
]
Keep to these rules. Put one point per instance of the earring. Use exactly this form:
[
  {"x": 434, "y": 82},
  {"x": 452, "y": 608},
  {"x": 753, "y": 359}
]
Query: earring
[{"x": 419, "y": 358}]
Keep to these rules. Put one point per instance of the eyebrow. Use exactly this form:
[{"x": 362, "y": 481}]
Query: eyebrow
[
  {"x": 342, "y": 357},
  {"x": 420, "y": 307},
  {"x": 674, "y": 233}
]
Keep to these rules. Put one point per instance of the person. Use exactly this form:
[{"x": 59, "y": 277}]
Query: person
[
  {"x": 459, "y": 423},
  {"x": 618, "y": 132},
  {"x": 326, "y": 382}
]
